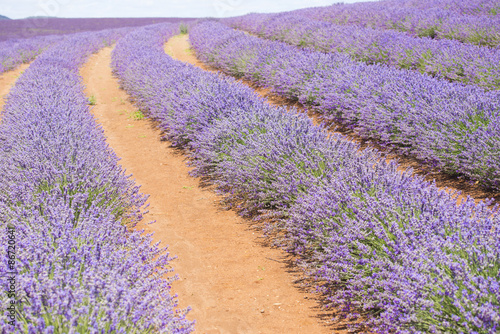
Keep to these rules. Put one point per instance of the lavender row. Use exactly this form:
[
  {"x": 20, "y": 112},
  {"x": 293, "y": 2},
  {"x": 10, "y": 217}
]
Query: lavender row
[
  {"x": 393, "y": 246},
  {"x": 66, "y": 205},
  {"x": 18, "y": 51},
  {"x": 450, "y": 59},
  {"x": 449, "y": 126},
  {"x": 464, "y": 7},
  {"x": 430, "y": 22}
]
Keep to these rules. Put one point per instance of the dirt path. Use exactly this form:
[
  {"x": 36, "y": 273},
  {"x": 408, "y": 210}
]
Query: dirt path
[
  {"x": 7, "y": 80},
  {"x": 179, "y": 48},
  {"x": 232, "y": 282}
]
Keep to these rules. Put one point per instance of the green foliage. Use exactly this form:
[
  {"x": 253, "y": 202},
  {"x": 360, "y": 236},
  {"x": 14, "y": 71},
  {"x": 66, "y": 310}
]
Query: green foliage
[
  {"x": 137, "y": 115},
  {"x": 428, "y": 32},
  {"x": 92, "y": 100},
  {"x": 183, "y": 29}
]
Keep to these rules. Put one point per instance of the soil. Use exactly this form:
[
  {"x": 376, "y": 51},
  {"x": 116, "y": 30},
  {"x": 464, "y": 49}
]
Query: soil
[
  {"x": 233, "y": 282},
  {"x": 179, "y": 48},
  {"x": 7, "y": 80}
]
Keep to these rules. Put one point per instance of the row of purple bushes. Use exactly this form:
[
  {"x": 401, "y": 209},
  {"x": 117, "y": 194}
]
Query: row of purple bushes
[
  {"x": 18, "y": 51},
  {"x": 431, "y": 22},
  {"x": 389, "y": 245},
  {"x": 464, "y": 7},
  {"x": 66, "y": 206},
  {"x": 448, "y": 59},
  {"x": 452, "y": 127}
]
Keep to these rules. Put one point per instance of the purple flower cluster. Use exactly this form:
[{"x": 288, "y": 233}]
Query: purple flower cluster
[
  {"x": 429, "y": 22},
  {"x": 17, "y": 51},
  {"x": 78, "y": 269},
  {"x": 387, "y": 243},
  {"x": 448, "y": 59},
  {"x": 452, "y": 127}
]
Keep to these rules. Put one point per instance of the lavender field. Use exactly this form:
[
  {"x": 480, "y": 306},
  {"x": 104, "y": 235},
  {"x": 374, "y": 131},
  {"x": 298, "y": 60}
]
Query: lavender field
[
  {"x": 449, "y": 126},
  {"x": 43, "y": 26},
  {"x": 387, "y": 250},
  {"x": 449, "y": 59},
  {"x": 474, "y": 22}
]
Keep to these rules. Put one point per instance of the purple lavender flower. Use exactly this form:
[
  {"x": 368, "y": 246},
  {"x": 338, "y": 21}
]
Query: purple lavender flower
[{"x": 78, "y": 268}]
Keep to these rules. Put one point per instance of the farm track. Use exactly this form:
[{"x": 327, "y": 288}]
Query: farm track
[
  {"x": 443, "y": 180},
  {"x": 7, "y": 81},
  {"x": 232, "y": 280}
]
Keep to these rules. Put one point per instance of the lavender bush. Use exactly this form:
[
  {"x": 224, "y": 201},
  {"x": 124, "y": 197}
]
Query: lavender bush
[
  {"x": 78, "y": 269},
  {"x": 448, "y": 59},
  {"x": 429, "y": 22},
  {"x": 450, "y": 126},
  {"x": 389, "y": 244},
  {"x": 17, "y": 51}
]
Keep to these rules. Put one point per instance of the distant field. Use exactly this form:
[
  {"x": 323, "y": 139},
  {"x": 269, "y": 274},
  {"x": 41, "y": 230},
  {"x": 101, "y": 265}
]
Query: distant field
[{"x": 32, "y": 27}]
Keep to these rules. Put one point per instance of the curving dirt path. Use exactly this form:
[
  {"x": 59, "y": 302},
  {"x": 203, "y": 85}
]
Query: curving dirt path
[
  {"x": 7, "y": 80},
  {"x": 179, "y": 48},
  {"x": 233, "y": 282}
]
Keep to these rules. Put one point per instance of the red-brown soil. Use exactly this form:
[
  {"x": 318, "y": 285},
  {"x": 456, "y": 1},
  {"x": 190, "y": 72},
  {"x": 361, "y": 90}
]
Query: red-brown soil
[{"x": 233, "y": 282}]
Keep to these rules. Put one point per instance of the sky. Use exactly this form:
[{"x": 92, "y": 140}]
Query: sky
[{"x": 18, "y": 9}]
